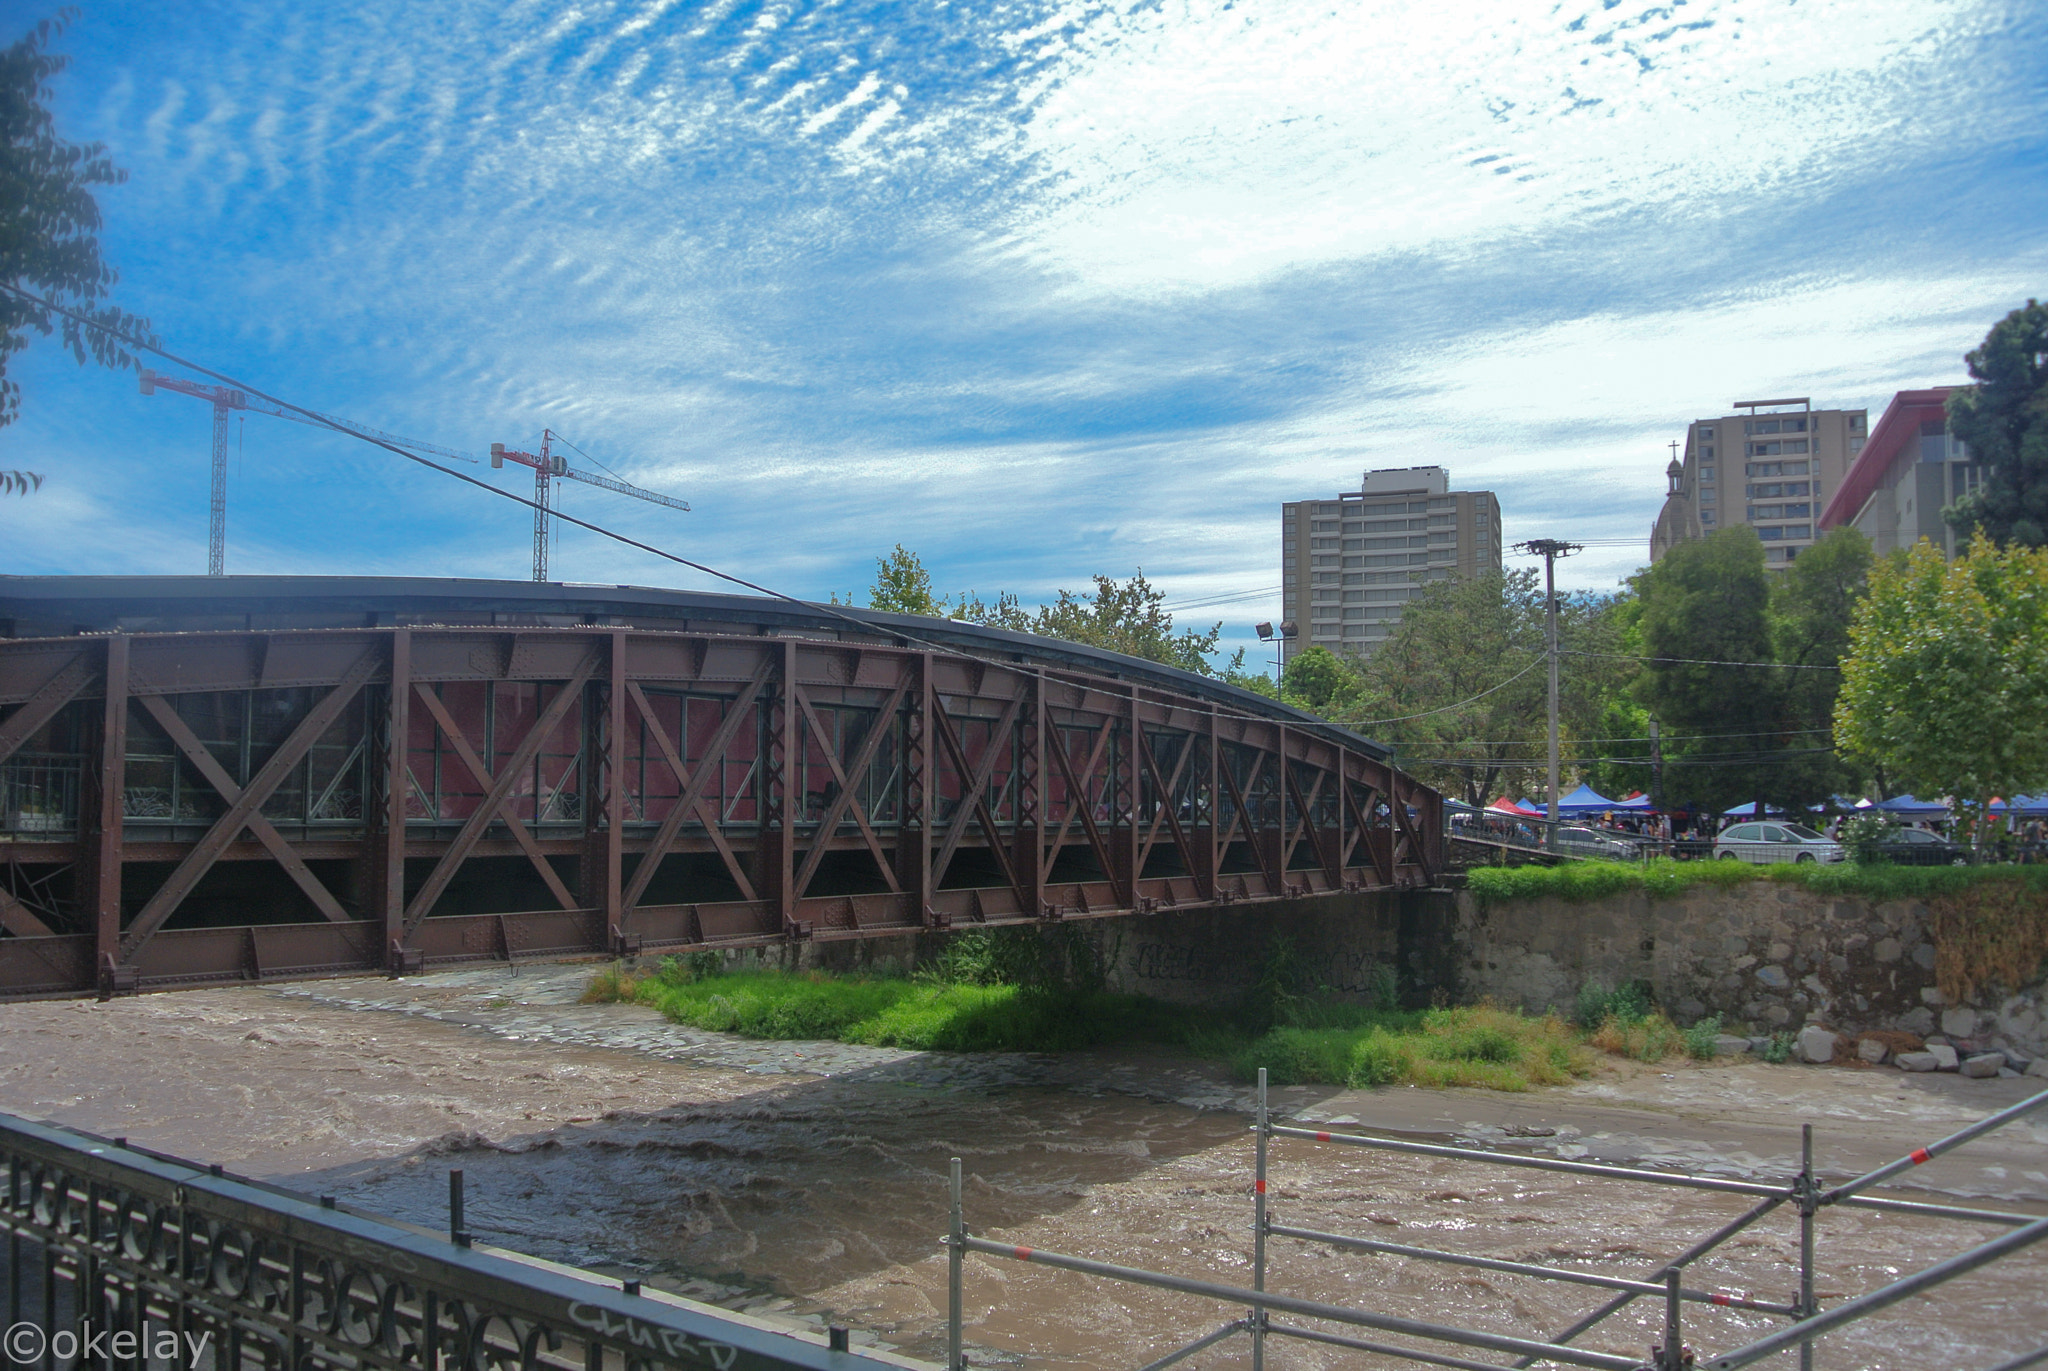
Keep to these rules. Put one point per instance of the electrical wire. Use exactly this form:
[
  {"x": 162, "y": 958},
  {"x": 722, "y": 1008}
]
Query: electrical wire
[
  {"x": 1666, "y": 738},
  {"x": 1213, "y": 600},
  {"x": 860, "y": 625},
  {"x": 1404, "y": 718},
  {"x": 1698, "y": 661},
  {"x": 320, "y": 420}
]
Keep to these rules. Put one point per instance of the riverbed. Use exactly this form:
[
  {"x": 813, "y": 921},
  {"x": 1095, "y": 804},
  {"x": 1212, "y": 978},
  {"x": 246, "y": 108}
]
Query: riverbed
[{"x": 806, "y": 1181}]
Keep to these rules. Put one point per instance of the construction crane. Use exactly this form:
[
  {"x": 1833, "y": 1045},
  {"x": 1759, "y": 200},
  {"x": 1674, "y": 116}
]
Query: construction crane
[
  {"x": 223, "y": 400},
  {"x": 549, "y": 467}
]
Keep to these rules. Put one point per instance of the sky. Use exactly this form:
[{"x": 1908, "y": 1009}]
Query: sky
[{"x": 1036, "y": 289}]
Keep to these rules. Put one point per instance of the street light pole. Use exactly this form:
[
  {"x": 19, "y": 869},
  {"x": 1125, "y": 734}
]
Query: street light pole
[{"x": 1550, "y": 549}]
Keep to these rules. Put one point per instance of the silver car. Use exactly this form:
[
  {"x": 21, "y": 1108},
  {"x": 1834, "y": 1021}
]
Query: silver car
[
  {"x": 1764, "y": 843},
  {"x": 1590, "y": 842}
]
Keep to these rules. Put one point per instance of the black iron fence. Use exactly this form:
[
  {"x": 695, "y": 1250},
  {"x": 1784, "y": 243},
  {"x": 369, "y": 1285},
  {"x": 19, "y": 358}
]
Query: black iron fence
[{"x": 127, "y": 1261}]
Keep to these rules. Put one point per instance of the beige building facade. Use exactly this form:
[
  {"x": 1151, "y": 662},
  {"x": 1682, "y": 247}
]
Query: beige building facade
[
  {"x": 1349, "y": 563},
  {"x": 1772, "y": 465}
]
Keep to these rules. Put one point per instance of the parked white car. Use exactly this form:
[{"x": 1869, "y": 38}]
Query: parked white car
[{"x": 1776, "y": 842}]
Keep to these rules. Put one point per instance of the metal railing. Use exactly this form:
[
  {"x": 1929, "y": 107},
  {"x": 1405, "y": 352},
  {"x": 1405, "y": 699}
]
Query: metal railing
[
  {"x": 118, "y": 1258},
  {"x": 1666, "y": 1283}
]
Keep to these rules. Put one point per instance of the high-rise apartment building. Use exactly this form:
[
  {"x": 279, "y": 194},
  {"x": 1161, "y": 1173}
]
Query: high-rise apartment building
[
  {"x": 1349, "y": 563},
  {"x": 1773, "y": 466}
]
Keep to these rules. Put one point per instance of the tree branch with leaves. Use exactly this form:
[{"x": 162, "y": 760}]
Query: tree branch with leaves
[{"x": 50, "y": 222}]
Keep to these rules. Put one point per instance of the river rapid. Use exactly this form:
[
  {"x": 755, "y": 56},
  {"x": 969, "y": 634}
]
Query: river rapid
[{"x": 806, "y": 1182}]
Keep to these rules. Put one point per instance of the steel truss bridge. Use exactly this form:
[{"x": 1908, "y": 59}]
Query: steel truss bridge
[{"x": 219, "y": 779}]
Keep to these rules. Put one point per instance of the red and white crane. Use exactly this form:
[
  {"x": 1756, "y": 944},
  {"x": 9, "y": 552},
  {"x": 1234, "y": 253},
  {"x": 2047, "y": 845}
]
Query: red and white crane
[
  {"x": 549, "y": 467},
  {"x": 225, "y": 400}
]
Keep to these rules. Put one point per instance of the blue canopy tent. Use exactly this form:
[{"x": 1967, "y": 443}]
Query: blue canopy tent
[
  {"x": 1587, "y": 801},
  {"x": 1748, "y": 811},
  {"x": 1907, "y": 804}
]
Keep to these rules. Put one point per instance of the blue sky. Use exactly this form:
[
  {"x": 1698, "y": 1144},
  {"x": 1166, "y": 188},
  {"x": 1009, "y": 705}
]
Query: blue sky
[{"x": 1037, "y": 289}]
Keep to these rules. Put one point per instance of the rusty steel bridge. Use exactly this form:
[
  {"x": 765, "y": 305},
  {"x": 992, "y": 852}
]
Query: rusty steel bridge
[{"x": 209, "y": 779}]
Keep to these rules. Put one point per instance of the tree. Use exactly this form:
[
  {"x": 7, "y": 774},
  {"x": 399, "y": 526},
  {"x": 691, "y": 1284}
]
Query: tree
[
  {"x": 1946, "y": 684},
  {"x": 903, "y": 586},
  {"x": 1608, "y": 727},
  {"x": 1321, "y": 681},
  {"x": 2003, "y": 420},
  {"x": 1458, "y": 687},
  {"x": 1128, "y": 617},
  {"x": 1813, "y": 602},
  {"x": 49, "y": 221},
  {"x": 1705, "y": 615},
  {"x": 1123, "y": 616}
]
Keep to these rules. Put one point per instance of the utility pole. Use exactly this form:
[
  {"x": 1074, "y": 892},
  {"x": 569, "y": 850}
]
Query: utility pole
[
  {"x": 1550, "y": 549},
  {"x": 1656, "y": 767}
]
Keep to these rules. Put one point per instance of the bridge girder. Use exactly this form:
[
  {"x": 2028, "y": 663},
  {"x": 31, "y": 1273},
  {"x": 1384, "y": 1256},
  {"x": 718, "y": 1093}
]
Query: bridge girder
[{"x": 840, "y": 789}]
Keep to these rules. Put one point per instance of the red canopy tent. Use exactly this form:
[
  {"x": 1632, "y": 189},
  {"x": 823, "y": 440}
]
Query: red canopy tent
[{"x": 1506, "y": 806}]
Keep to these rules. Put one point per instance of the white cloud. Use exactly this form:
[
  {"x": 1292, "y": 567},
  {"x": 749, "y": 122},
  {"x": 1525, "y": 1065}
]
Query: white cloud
[{"x": 1207, "y": 143}]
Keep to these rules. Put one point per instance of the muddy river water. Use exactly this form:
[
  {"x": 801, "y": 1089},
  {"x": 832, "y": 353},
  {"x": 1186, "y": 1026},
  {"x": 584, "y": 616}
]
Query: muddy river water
[{"x": 806, "y": 1181}]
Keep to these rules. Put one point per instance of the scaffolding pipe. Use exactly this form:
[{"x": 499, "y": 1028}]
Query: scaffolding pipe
[
  {"x": 1935, "y": 1211},
  {"x": 1258, "y": 1316},
  {"x": 1677, "y": 1263},
  {"x": 1384, "y": 1349},
  {"x": 1311, "y": 1309},
  {"x": 1809, "y": 1205},
  {"x": 1884, "y": 1296},
  {"x": 1620, "y": 1173},
  {"x": 1206, "y": 1340},
  {"x": 1920, "y": 1156},
  {"x": 1550, "y": 1273},
  {"x": 956, "y": 1254}
]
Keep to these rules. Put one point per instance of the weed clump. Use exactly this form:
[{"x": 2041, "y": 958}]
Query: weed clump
[
  {"x": 1475, "y": 1045},
  {"x": 1701, "y": 1040}
]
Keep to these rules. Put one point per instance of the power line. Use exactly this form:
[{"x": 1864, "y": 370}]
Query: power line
[
  {"x": 1666, "y": 738},
  {"x": 322, "y": 421},
  {"x": 1708, "y": 759},
  {"x": 1370, "y": 723},
  {"x": 1700, "y": 661},
  {"x": 1230, "y": 598}
]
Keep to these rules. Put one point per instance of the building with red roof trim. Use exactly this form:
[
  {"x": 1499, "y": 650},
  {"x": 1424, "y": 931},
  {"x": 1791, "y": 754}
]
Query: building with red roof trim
[{"x": 1911, "y": 469}]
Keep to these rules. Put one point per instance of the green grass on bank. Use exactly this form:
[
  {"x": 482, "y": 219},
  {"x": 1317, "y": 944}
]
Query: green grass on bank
[
  {"x": 1581, "y": 882},
  {"x": 890, "y": 1012},
  {"x": 1299, "y": 1039}
]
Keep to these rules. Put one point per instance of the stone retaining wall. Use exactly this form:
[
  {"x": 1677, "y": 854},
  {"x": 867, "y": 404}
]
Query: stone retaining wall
[{"x": 1764, "y": 956}]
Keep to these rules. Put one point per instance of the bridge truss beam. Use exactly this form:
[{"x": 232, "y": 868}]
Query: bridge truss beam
[{"x": 659, "y": 790}]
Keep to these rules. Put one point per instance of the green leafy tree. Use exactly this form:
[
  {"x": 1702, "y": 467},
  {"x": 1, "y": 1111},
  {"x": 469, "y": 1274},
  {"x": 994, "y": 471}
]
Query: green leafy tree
[
  {"x": 1813, "y": 602},
  {"x": 1458, "y": 687},
  {"x": 1946, "y": 684},
  {"x": 1705, "y": 616},
  {"x": 1319, "y": 680},
  {"x": 2003, "y": 419},
  {"x": 1609, "y": 727},
  {"x": 1128, "y": 617},
  {"x": 903, "y": 586},
  {"x": 49, "y": 221},
  {"x": 1124, "y": 616}
]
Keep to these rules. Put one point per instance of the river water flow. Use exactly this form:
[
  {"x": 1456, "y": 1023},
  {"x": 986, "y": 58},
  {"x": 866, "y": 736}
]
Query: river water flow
[{"x": 806, "y": 1182}]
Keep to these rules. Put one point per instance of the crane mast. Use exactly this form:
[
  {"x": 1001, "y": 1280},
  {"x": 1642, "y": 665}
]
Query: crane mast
[
  {"x": 549, "y": 467},
  {"x": 223, "y": 399}
]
